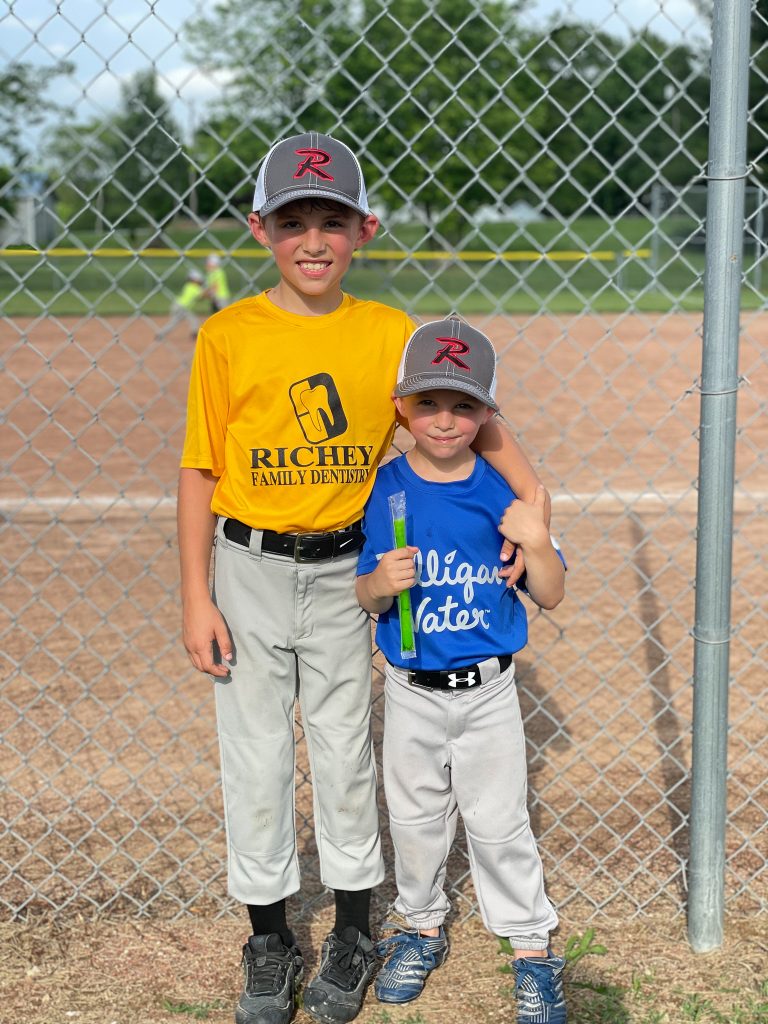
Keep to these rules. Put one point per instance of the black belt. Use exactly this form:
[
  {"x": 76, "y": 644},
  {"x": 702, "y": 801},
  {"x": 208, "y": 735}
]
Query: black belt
[
  {"x": 301, "y": 547},
  {"x": 454, "y": 678}
]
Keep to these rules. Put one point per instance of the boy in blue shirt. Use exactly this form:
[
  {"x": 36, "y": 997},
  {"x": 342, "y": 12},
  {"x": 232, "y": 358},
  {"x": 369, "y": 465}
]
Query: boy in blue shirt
[{"x": 453, "y": 738}]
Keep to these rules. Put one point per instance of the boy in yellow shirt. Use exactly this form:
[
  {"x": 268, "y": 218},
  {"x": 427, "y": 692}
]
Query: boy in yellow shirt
[
  {"x": 216, "y": 285},
  {"x": 189, "y": 304},
  {"x": 289, "y": 415}
]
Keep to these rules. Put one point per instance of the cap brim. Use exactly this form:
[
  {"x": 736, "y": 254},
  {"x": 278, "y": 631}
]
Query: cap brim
[
  {"x": 413, "y": 385},
  {"x": 295, "y": 195}
]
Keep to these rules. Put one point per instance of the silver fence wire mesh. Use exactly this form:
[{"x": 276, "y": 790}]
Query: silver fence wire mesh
[{"x": 542, "y": 174}]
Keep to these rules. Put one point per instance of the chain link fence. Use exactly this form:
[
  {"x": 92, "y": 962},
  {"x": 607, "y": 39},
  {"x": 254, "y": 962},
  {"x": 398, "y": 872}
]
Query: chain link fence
[{"x": 544, "y": 179}]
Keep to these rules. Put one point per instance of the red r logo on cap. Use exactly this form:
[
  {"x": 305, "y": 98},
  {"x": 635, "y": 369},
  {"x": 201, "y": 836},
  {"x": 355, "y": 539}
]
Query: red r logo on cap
[
  {"x": 452, "y": 350},
  {"x": 313, "y": 164}
]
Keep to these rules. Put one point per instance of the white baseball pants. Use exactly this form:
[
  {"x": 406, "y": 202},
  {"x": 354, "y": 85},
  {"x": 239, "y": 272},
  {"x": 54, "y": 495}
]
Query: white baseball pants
[
  {"x": 298, "y": 632},
  {"x": 451, "y": 751}
]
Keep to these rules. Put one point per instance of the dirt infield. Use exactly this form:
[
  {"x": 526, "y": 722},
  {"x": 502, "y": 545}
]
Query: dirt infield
[{"x": 109, "y": 753}]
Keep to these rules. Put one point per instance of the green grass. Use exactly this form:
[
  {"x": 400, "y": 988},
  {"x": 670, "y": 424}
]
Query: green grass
[
  {"x": 79, "y": 285},
  {"x": 594, "y": 1000},
  {"x": 748, "y": 1008},
  {"x": 34, "y": 284},
  {"x": 382, "y": 1017},
  {"x": 589, "y": 232},
  {"x": 198, "y": 1011}
]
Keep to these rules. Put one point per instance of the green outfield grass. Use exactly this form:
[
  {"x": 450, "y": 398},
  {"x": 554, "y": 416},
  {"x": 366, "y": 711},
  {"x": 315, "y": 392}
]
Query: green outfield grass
[
  {"x": 548, "y": 233},
  {"x": 495, "y": 269}
]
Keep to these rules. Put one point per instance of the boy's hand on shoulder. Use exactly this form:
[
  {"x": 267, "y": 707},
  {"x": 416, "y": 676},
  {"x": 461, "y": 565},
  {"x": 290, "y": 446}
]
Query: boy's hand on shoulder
[
  {"x": 525, "y": 523},
  {"x": 395, "y": 573},
  {"x": 511, "y": 552},
  {"x": 205, "y": 632}
]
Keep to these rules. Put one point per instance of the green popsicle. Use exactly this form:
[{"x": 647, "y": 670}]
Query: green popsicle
[{"x": 404, "y": 599}]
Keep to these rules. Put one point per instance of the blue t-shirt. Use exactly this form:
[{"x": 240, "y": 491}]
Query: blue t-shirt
[{"x": 463, "y": 611}]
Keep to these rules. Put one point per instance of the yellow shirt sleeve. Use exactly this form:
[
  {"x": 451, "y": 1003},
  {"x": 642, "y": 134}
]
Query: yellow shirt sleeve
[{"x": 207, "y": 403}]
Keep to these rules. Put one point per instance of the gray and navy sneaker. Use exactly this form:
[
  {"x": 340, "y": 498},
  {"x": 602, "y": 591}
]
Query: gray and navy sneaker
[
  {"x": 335, "y": 994},
  {"x": 539, "y": 989},
  {"x": 410, "y": 958},
  {"x": 271, "y": 971}
]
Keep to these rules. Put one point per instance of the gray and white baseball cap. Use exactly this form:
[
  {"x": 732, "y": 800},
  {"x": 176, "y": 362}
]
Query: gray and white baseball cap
[
  {"x": 307, "y": 165},
  {"x": 449, "y": 354}
]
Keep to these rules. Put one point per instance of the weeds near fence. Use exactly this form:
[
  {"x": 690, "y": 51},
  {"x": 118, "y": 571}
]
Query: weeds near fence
[{"x": 644, "y": 1000}]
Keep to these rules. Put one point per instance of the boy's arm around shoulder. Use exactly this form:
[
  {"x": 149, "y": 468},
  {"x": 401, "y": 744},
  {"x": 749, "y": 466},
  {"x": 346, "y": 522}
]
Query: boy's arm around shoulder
[
  {"x": 495, "y": 443},
  {"x": 525, "y": 524},
  {"x": 395, "y": 573},
  {"x": 203, "y": 623}
]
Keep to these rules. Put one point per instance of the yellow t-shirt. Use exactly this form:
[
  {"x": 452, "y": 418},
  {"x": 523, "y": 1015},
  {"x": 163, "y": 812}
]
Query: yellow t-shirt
[{"x": 294, "y": 413}]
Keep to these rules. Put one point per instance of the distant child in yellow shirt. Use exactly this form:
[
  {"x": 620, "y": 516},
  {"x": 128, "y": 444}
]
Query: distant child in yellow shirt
[
  {"x": 217, "y": 288},
  {"x": 190, "y": 304}
]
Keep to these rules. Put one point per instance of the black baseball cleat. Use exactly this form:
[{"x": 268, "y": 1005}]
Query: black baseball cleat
[
  {"x": 335, "y": 994},
  {"x": 271, "y": 971}
]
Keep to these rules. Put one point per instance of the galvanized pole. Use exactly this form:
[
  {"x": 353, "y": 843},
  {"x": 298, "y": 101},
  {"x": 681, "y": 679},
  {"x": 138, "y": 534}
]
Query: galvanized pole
[{"x": 717, "y": 442}]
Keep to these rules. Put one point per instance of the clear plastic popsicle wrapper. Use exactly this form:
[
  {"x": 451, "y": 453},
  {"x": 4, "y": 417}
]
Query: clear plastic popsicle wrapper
[{"x": 407, "y": 640}]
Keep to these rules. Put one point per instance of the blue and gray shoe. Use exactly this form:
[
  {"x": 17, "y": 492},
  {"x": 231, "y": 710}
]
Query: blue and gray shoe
[
  {"x": 410, "y": 958},
  {"x": 539, "y": 990}
]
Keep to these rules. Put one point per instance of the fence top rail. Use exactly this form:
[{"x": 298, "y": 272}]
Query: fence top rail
[{"x": 481, "y": 255}]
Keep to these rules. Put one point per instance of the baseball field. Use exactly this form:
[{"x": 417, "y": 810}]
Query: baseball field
[{"x": 111, "y": 800}]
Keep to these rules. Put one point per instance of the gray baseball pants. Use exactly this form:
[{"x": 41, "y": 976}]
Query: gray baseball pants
[
  {"x": 451, "y": 751},
  {"x": 298, "y": 633}
]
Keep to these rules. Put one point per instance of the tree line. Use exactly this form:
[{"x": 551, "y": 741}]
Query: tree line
[{"x": 453, "y": 107}]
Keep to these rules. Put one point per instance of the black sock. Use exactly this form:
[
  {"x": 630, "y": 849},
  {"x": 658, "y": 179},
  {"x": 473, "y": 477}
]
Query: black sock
[
  {"x": 353, "y": 908},
  {"x": 269, "y": 918}
]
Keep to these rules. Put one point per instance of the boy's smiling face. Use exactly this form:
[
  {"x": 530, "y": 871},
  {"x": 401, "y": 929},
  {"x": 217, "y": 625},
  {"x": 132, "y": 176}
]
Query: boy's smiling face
[
  {"x": 443, "y": 423},
  {"x": 313, "y": 245}
]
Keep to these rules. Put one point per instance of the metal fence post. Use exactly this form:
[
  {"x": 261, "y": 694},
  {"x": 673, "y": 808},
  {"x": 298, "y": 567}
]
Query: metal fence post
[{"x": 717, "y": 441}]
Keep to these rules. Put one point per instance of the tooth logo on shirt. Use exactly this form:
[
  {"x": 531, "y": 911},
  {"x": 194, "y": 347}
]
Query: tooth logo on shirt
[{"x": 317, "y": 406}]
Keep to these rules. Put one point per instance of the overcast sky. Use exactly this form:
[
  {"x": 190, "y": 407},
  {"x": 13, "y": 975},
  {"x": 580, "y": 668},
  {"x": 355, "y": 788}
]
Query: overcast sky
[{"x": 108, "y": 40}]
